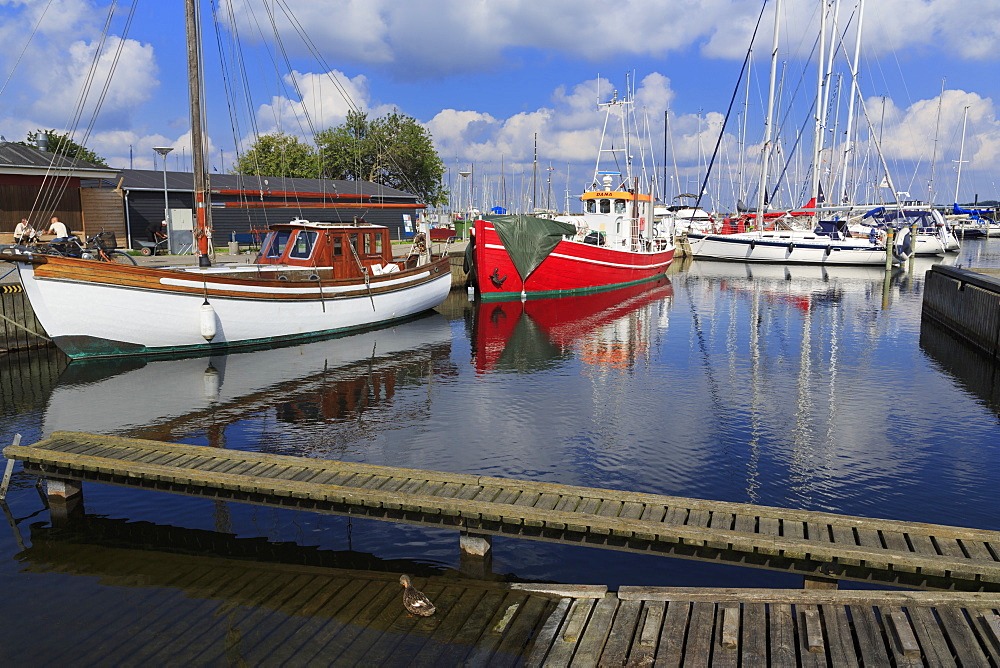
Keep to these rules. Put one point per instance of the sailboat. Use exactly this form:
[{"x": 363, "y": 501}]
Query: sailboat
[
  {"x": 310, "y": 280},
  {"x": 777, "y": 241},
  {"x": 614, "y": 244}
]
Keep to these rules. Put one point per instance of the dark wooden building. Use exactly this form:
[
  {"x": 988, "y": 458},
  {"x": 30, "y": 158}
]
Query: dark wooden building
[
  {"x": 37, "y": 185},
  {"x": 242, "y": 205}
]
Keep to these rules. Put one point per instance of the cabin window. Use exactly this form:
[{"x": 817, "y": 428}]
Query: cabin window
[
  {"x": 605, "y": 206},
  {"x": 619, "y": 206},
  {"x": 371, "y": 244},
  {"x": 591, "y": 206},
  {"x": 305, "y": 241},
  {"x": 338, "y": 246},
  {"x": 354, "y": 243},
  {"x": 276, "y": 245}
]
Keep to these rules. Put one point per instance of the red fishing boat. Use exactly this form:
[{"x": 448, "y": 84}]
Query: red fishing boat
[{"x": 613, "y": 244}]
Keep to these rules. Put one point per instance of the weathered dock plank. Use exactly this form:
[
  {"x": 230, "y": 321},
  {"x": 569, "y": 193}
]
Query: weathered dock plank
[{"x": 830, "y": 544}]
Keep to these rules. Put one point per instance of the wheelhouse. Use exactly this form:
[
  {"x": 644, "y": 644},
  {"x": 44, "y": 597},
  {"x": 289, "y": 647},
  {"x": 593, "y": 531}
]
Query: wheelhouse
[{"x": 348, "y": 249}]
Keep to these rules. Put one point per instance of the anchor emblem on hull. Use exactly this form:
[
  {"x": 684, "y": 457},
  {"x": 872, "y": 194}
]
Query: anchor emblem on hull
[{"x": 495, "y": 278}]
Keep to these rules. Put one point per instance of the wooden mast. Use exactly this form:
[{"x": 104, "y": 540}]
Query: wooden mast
[{"x": 202, "y": 198}]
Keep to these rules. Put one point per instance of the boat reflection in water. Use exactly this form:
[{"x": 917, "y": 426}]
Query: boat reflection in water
[
  {"x": 199, "y": 397},
  {"x": 606, "y": 330}
]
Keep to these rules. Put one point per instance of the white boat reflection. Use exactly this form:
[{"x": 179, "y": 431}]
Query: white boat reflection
[{"x": 153, "y": 398}]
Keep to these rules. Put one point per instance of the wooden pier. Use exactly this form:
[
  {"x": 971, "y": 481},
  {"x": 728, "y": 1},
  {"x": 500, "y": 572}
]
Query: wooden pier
[
  {"x": 967, "y": 303},
  {"x": 193, "y": 609},
  {"x": 821, "y": 545}
]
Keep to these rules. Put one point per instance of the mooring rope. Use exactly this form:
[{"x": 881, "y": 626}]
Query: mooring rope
[{"x": 30, "y": 331}]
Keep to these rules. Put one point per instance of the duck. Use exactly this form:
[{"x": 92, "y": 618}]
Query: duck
[{"x": 415, "y": 602}]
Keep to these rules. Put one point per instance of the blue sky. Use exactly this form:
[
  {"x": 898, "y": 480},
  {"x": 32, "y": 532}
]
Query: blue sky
[{"x": 485, "y": 76}]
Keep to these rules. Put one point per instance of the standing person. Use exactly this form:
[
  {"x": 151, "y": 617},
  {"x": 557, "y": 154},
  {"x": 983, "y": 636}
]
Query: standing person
[
  {"x": 23, "y": 233},
  {"x": 58, "y": 228}
]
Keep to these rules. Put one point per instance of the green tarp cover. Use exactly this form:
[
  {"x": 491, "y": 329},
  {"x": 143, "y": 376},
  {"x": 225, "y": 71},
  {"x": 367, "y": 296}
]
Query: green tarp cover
[{"x": 529, "y": 240}]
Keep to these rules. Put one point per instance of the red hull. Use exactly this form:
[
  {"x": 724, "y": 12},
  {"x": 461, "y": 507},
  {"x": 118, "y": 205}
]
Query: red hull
[{"x": 571, "y": 268}]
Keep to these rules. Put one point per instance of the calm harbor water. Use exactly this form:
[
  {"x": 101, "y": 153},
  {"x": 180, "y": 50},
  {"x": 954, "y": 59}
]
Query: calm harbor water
[{"x": 790, "y": 386}]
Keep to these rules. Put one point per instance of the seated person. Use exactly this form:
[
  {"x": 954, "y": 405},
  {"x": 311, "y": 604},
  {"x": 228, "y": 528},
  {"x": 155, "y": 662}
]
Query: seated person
[
  {"x": 24, "y": 233},
  {"x": 59, "y": 229}
]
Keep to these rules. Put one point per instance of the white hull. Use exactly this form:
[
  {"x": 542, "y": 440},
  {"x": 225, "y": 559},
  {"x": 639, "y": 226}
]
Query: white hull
[
  {"x": 791, "y": 247},
  {"x": 93, "y": 319}
]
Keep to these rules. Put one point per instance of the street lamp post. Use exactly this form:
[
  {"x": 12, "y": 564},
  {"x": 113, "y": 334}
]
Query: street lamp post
[{"x": 163, "y": 150}]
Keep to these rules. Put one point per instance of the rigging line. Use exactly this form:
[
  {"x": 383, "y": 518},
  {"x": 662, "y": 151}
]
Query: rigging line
[
  {"x": 27, "y": 43},
  {"x": 732, "y": 101},
  {"x": 311, "y": 46},
  {"x": 52, "y": 192}
]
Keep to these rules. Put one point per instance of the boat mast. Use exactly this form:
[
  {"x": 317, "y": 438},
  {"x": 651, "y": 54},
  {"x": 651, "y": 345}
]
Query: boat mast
[
  {"x": 762, "y": 188},
  {"x": 202, "y": 199},
  {"x": 937, "y": 129},
  {"x": 961, "y": 153},
  {"x": 818, "y": 129},
  {"x": 855, "y": 93}
]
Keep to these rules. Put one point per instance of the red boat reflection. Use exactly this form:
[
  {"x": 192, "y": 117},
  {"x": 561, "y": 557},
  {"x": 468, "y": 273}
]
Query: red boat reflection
[{"x": 606, "y": 329}]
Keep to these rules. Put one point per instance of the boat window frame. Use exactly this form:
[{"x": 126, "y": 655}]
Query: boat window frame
[
  {"x": 591, "y": 206},
  {"x": 620, "y": 206},
  {"x": 275, "y": 244},
  {"x": 605, "y": 205},
  {"x": 310, "y": 237}
]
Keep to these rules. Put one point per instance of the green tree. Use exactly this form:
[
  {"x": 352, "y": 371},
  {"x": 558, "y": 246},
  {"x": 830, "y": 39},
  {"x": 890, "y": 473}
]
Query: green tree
[
  {"x": 278, "y": 154},
  {"x": 61, "y": 144},
  {"x": 393, "y": 150}
]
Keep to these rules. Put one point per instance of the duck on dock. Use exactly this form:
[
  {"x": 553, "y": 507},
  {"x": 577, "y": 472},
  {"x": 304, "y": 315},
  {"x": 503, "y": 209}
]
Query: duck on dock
[{"x": 415, "y": 602}]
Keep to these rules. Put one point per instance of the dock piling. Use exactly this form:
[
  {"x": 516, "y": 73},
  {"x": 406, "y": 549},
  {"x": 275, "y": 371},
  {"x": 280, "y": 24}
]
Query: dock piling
[
  {"x": 476, "y": 559},
  {"x": 8, "y": 471}
]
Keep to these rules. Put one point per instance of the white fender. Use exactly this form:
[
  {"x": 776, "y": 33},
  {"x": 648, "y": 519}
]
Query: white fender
[{"x": 208, "y": 324}]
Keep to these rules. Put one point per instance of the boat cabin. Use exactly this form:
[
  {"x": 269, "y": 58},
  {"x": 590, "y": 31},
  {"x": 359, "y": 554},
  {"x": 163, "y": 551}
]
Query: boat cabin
[{"x": 343, "y": 247}]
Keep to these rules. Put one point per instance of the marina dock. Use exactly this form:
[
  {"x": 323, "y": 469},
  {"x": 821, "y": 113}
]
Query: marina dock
[
  {"x": 822, "y": 546},
  {"x": 967, "y": 303},
  {"x": 265, "y": 613}
]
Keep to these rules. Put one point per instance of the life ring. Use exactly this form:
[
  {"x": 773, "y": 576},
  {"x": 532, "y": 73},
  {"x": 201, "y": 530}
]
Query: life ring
[{"x": 791, "y": 246}]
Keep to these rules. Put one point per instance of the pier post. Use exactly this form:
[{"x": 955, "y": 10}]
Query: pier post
[
  {"x": 816, "y": 582},
  {"x": 65, "y": 499},
  {"x": 476, "y": 559}
]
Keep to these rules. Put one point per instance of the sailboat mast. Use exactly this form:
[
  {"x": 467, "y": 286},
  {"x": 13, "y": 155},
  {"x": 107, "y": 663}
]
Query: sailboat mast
[
  {"x": 768, "y": 125},
  {"x": 202, "y": 199},
  {"x": 937, "y": 129},
  {"x": 961, "y": 154},
  {"x": 818, "y": 130},
  {"x": 855, "y": 93}
]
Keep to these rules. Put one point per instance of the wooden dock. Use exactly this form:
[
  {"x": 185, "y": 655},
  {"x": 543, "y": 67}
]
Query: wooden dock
[
  {"x": 811, "y": 543},
  {"x": 965, "y": 301},
  {"x": 169, "y": 608}
]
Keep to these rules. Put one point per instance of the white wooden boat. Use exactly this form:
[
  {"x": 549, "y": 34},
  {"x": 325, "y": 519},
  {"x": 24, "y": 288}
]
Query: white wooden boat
[{"x": 311, "y": 280}]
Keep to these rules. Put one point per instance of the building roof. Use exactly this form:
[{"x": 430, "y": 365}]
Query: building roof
[
  {"x": 28, "y": 160},
  {"x": 152, "y": 180}
]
